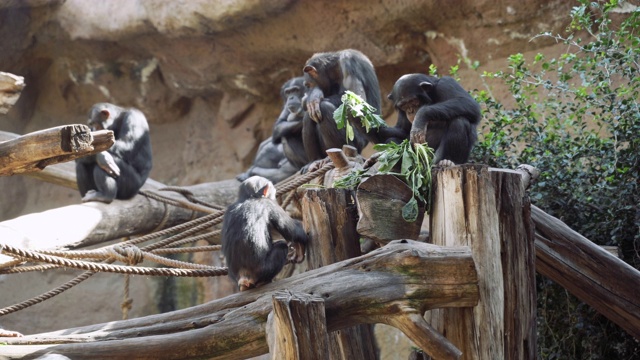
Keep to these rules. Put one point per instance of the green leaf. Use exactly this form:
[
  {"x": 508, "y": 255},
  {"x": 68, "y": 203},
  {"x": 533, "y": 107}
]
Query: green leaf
[{"x": 410, "y": 210}]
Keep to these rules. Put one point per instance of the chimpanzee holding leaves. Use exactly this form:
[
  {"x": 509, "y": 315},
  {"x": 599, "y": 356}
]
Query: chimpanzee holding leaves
[
  {"x": 326, "y": 77},
  {"x": 120, "y": 171}
]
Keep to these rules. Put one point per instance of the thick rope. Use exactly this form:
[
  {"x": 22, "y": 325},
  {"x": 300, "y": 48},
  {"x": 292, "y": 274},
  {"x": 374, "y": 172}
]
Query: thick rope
[{"x": 211, "y": 271}]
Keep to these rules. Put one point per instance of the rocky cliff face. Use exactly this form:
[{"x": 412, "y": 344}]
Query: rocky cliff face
[{"x": 207, "y": 74}]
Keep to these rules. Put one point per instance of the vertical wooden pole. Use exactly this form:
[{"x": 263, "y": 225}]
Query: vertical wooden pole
[
  {"x": 518, "y": 264},
  {"x": 329, "y": 216},
  {"x": 297, "y": 327},
  {"x": 464, "y": 213}
]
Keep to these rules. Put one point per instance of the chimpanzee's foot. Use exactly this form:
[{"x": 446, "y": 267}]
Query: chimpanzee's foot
[
  {"x": 445, "y": 163},
  {"x": 93, "y": 195}
]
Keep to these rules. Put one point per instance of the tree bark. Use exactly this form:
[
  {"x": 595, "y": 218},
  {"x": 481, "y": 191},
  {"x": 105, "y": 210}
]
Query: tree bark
[
  {"x": 403, "y": 278},
  {"x": 595, "y": 276}
]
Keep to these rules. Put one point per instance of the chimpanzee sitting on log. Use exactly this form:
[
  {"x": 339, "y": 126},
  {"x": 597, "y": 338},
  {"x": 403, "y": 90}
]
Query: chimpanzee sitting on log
[
  {"x": 327, "y": 76},
  {"x": 281, "y": 155},
  {"x": 436, "y": 111},
  {"x": 120, "y": 171}
]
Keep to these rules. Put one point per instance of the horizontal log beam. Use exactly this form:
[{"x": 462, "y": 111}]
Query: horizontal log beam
[
  {"x": 36, "y": 150},
  {"x": 595, "y": 276},
  {"x": 386, "y": 285}
]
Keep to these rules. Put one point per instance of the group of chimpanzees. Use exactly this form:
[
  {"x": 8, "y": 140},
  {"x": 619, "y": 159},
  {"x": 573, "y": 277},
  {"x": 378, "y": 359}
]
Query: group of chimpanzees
[{"x": 434, "y": 110}]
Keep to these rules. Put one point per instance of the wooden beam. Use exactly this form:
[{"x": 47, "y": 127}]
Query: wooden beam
[
  {"x": 404, "y": 277},
  {"x": 35, "y": 151},
  {"x": 595, "y": 276},
  {"x": 297, "y": 327}
]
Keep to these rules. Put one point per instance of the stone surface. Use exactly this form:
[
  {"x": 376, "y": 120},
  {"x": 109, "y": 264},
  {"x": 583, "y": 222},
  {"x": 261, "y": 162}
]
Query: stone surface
[{"x": 207, "y": 75}]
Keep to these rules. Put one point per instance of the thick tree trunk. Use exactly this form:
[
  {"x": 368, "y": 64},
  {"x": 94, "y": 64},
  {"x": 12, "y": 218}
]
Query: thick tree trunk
[{"x": 391, "y": 285}]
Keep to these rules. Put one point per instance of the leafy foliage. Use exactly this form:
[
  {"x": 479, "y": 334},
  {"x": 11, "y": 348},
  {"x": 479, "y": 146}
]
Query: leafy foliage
[
  {"x": 577, "y": 119},
  {"x": 353, "y": 105},
  {"x": 410, "y": 163}
]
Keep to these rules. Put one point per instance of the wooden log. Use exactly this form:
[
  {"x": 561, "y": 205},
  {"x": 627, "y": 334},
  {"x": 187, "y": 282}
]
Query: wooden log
[
  {"x": 77, "y": 226},
  {"x": 404, "y": 277},
  {"x": 329, "y": 217},
  {"x": 297, "y": 327},
  {"x": 518, "y": 263},
  {"x": 592, "y": 274},
  {"x": 10, "y": 89},
  {"x": 34, "y": 151},
  {"x": 380, "y": 199},
  {"x": 464, "y": 214}
]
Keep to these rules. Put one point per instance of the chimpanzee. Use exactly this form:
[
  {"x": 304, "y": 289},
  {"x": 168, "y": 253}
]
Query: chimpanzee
[
  {"x": 327, "y": 76},
  {"x": 281, "y": 155},
  {"x": 120, "y": 171},
  {"x": 288, "y": 128},
  {"x": 252, "y": 256},
  {"x": 437, "y": 111}
]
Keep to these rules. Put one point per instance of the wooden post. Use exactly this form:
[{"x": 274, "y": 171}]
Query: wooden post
[
  {"x": 297, "y": 327},
  {"x": 464, "y": 213},
  {"x": 329, "y": 217},
  {"x": 518, "y": 263}
]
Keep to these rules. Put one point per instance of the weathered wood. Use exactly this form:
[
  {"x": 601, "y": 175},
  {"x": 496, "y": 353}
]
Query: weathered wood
[
  {"x": 297, "y": 327},
  {"x": 464, "y": 213},
  {"x": 34, "y": 151},
  {"x": 92, "y": 223},
  {"x": 595, "y": 276},
  {"x": 329, "y": 217},
  {"x": 518, "y": 263},
  {"x": 10, "y": 89},
  {"x": 404, "y": 277},
  {"x": 380, "y": 199}
]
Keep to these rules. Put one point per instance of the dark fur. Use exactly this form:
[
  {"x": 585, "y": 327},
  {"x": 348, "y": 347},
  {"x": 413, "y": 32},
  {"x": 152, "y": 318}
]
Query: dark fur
[
  {"x": 327, "y": 76},
  {"x": 288, "y": 128},
  {"x": 447, "y": 116},
  {"x": 131, "y": 154},
  {"x": 251, "y": 255}
]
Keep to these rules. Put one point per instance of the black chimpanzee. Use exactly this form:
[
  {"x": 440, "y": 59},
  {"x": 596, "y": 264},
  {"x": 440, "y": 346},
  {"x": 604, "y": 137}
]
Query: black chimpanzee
[
  {"x": 252, "y": 256},
  {"x": 288, "y": 128},
  {"x": 327, "y": 76},
  {"x": 281, "y": 155},
  {"x": 437, "y": 111},
  {"x": 120, "y": 171}
]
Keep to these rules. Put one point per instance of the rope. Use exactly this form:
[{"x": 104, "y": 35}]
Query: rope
[{"x": 210, "y": 271}]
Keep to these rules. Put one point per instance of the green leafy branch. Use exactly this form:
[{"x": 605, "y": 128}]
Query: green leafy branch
[{"x": 353, "y": 105}]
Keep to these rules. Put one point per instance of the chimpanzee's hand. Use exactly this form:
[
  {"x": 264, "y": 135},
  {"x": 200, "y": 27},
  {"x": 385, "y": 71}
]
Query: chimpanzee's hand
[
  {"x": 296, "y": 252},
  {"x": 372, "y": 160},
  {"x": 418, "y": 136},
  {"x": 108, "y": 164},
  {"x": 313, "y": 104}
]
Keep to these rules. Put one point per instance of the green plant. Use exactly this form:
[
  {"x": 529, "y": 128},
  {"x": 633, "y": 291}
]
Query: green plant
[
  {"x": 577, "y": 119},
  {"x": 353, "y": 105}
]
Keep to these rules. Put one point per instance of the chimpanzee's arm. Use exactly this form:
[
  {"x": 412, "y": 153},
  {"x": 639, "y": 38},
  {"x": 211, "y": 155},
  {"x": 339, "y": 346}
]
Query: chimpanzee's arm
[{"x": 289, "y": 227}]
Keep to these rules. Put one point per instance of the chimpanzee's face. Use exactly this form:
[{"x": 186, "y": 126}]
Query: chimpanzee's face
[{"x": 410, "y": 107}]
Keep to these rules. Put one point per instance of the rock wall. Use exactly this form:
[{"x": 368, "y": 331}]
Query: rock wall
[{"x": 207, "y": 75}]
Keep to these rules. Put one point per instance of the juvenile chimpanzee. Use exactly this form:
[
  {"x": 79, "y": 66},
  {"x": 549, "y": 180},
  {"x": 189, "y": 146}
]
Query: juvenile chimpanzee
[
  {"x": 437, "y": 111},
  {"x": 252, "y": 256},
  {"x": 120, "y": 171},
  {"x": 327, "y": 76}
]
